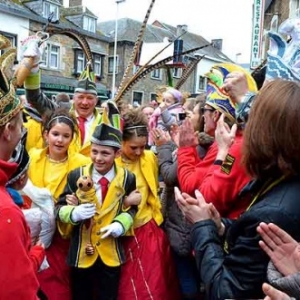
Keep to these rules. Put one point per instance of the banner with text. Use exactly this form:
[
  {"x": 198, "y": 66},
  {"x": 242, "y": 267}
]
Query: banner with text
[{"x": 257, "y": 32}]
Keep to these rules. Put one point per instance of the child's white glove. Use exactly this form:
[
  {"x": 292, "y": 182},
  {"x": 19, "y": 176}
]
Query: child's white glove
[
  {"x": 114, "y": 229},
  {"x": 83, "y": 212}
]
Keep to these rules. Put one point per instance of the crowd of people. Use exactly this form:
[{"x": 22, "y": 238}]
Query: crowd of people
[{"x": 186, "y": 199}]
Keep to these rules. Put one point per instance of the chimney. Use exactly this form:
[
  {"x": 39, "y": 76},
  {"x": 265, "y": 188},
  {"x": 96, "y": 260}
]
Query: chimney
[
  {"x": 75, "y": 3},
  {"x": 180, "y": 29},
  {"x": 217, "y": 43}
]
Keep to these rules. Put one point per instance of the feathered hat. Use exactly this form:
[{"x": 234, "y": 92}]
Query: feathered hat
[
  {"x": 10, "y": 104},
  {"x": 108, "y": 133},
  {"x": 86, "y": 82},
  {"x": 216, "y": 96},
  {"x": 20, "y": 156},
  {"x": 283, "y": 58}
]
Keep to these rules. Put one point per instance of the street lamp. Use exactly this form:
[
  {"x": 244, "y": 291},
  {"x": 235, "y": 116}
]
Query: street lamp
[{"x": 115, "y": 50}]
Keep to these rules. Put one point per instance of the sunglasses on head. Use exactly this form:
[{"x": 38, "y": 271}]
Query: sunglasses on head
[{"x": 204, "y": 109}]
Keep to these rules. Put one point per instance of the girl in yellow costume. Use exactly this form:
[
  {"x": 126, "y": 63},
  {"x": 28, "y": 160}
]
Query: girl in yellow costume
[
  {"x": 49, "y": 168},
  {"x": 148, "y": 272}
]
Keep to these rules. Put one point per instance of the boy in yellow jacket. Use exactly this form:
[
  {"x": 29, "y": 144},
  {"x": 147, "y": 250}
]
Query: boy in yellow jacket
[{"x": 96, "y": 253}]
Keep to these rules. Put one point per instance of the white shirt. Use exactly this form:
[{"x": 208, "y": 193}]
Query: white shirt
[
  {"x": 96, "y": 176},
  {"x": 87, "y": 126}
]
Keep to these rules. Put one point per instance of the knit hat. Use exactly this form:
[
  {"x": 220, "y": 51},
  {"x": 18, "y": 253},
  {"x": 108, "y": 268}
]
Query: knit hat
[
  {"x": 106, "y": 134},
  {"x": 283, "y": 59},
  {"x": 86, "y": 82},
  {"x": 216, "y": 97},
  {"x": 10, "y": 104}
]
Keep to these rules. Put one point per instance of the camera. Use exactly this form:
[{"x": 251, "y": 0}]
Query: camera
[{"x": 181, "y": 116}]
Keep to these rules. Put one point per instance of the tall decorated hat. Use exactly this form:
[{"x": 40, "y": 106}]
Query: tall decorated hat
[
  {"x": 106, "y": 133},
  {"x": 216, "y": 97},
  {"x": 86, "y": 82},
  {"x": 10, "y": 104},
  {"x": 283, "y": 59}
]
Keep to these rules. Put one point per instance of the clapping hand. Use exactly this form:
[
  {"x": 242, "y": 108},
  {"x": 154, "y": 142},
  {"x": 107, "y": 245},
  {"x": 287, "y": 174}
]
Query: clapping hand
[
  {"x": 187, "y": 135},
  {"x": 282, "y": 249},
  {"x": 224, "y": 137},
  {"x": 236, "y": 86},
  {"x": 274, "y": 294},
  {"x": 160, "y": 137},
  {"x": 196, "y": 209}
]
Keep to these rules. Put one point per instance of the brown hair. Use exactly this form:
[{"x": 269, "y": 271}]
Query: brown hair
[
  {"x": 135, "y": 124},
  {"x": 60, "y": 115},
  {"x": 271, "y": 138}
]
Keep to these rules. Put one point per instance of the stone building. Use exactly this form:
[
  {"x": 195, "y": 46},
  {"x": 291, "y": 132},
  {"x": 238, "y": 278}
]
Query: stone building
[
  {"x": 145, "y": 90},
  {"x": 63, "y": 59}
]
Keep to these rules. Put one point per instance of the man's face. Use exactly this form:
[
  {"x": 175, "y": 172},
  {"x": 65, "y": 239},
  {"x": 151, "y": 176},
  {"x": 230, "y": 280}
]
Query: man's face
[
  {"x": 84, "y": 104},
  {"x": 103, "y": 157}
]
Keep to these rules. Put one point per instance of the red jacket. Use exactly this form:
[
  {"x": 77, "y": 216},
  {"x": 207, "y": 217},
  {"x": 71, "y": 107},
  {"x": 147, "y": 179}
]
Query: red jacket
[
  {"x": 18, "y": 260},
  {"x": 192, "y": 169},
  {"x": 221, "y": 184}
]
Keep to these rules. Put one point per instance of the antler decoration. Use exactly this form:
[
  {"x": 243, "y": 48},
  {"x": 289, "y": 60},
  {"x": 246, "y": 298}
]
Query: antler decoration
[
  {"x": 135, "y": 50},
  {"x": 77, "y": 37},
  {"x": 147, "y": 69},
  {"x": 188, "y": 71}
]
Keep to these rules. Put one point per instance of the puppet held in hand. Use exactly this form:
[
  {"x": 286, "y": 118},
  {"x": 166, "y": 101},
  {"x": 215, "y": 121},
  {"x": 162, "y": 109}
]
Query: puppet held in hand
[{"x": 86, "y": 193}]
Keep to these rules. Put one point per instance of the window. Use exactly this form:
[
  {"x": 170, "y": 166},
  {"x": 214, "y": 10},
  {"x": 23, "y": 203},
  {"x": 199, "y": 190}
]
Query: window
[
  {"x": 97, "y": 65},
  {"x": 177, "y": 72},
  {"x": 89, "y": 24},
  {"x": 137, "y": 98},
  {"x": 49, "y": 8},
  {"x": 202, "y": 83},
  {"x": 153, "y": 96},
  {"x": 80, "y": 62},
  {"x": 51, "y": 57},
  {"x": 111, "y": 64},
  {"x": 156, "y": 74},
  {"x": 12, "y": 38}
]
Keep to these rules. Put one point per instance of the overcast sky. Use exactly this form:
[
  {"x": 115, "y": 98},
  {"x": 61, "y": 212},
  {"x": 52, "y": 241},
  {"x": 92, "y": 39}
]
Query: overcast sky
[{"x": 230, "y": 20}]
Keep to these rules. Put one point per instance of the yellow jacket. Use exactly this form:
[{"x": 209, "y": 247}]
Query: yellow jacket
[
  {"x": 109, "y": 249},
  {"x": 151, "y": 207},
  {"x": 34, "y": 137},
  {"x": 85, "y": 149},
  {"x": 37, "y": 171},
  {"x": 37, "y": 174}
]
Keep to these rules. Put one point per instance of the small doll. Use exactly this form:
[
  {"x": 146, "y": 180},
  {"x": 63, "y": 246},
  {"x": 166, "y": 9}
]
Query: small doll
[{"x": 86, "y": 193}]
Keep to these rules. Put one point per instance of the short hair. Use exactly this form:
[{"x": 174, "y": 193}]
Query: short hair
[
  {"x": 62, "y": 97},
  {"x": 271, "y": 137}
]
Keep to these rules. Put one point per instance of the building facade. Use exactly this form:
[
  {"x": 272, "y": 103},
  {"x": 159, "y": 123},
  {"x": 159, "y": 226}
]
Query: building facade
[{"x": 145, "y": 89}]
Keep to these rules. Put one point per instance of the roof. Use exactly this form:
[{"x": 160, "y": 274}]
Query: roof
[
  {"x": 13, "y": 8},
  {"x": 128, "y": 30},
  {"x": 78, "y": 10}
]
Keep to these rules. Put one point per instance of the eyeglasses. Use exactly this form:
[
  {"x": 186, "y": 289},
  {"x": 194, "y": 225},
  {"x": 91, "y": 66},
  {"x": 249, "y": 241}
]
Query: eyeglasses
[{"x": 204, "y": 109}]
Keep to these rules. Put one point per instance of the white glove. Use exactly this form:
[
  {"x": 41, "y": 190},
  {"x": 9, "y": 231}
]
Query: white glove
[
  {"x": 83, "y": 212},
  {"x": 36, "y": 194},
  {"x": 30, "y": 47},
  {"x": 115, "y": 229}
]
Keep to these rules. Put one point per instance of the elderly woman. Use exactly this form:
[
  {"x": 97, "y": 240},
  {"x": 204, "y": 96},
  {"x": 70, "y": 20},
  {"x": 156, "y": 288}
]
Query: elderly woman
[{"x": 229, "y": 258}]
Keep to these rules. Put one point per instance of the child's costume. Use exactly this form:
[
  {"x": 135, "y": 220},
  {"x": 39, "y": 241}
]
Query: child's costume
[{"x": 98, "y": 269}]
